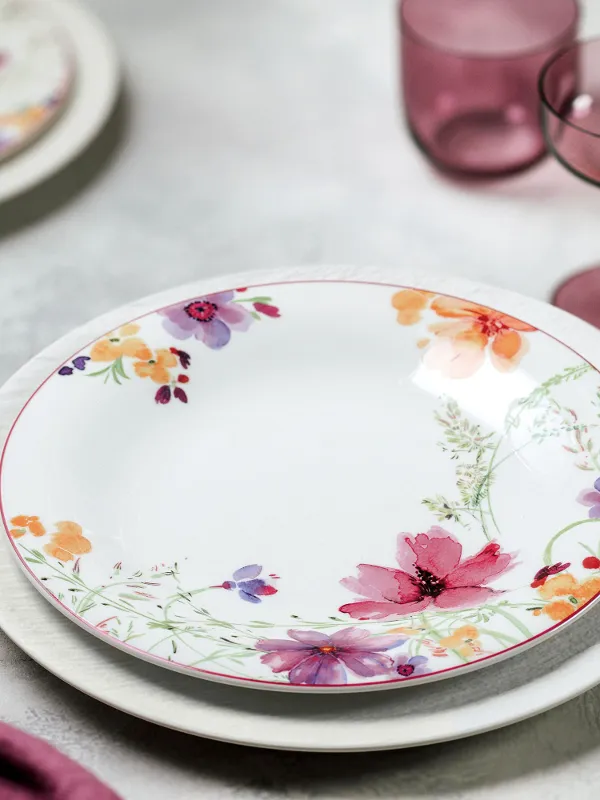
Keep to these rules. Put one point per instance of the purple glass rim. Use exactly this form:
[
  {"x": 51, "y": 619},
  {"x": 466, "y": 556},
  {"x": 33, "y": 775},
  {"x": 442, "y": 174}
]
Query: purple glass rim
[
  {"x": 409, "y": 30},
  {"x": 577, "y": 46}
]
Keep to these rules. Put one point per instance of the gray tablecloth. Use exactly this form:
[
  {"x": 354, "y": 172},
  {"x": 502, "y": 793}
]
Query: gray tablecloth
[{"x": 259, "y": 133}]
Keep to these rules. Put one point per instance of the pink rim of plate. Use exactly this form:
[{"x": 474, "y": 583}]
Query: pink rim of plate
[{"x": 258, "y": 683}]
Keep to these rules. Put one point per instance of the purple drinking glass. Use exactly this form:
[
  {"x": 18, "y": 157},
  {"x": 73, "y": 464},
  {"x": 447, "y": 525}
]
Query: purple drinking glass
[
  {"x": 570, "y": 95},
  {"x": 470, "y": 72}
]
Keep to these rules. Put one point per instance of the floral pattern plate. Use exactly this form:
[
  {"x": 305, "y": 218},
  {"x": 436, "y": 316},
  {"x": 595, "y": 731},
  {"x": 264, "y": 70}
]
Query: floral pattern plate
[
  {"x": 313, "y": 486},
  {"x": 36, "y": 73}
]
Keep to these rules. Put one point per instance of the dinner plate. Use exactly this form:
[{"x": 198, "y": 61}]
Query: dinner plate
[
  {"x": 313, "y": 485},
  {"x": 36, "y": 72},
  {"x": 90, "y": 100},
  {"x": 555, "y": 671}
]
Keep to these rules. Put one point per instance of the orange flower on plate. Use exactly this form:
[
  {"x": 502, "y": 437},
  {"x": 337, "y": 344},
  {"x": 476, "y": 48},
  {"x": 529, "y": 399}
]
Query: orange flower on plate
[
  {"x": 406, "y": 631},
  {"x": 464, "y": 641},
  {"x": 566, "y": 595},
  {"x": 461, "y": 341},
  {"x": 410, "y": 305},
  {"x": 23, "y": 524},
  {"x": 156, "y": 366},
  {"x": 121, "y": 343},
  {"x": 68, "y": 542}
]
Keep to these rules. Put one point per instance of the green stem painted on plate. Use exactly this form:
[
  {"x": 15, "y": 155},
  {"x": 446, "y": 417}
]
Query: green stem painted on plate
[
  {"x": 484, "y": 526},
  {"x": 181, "y": 595},
  {"x": 502, "y": 638},
  {"x": 511, "y": 618},
  {"x": 547, "y": 556},
  {"x": 253, "y": 300}
]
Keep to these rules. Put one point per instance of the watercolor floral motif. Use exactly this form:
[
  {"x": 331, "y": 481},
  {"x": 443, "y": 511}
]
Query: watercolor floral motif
[
  {"x": 23, "y": 524},
  {"x": 384, "y": 590},
  {"x": 591, "y": 499},
  {"x": 407, "y": 666},
  {"x": 564, "y": 595},
  {"x": 466, "y": 332},
  {"x": 140, "y": 606},
  {"x": 542, "y": 575},
  {"x": 209, "y": 319},
  {"x": 78, "y": 363},
  {"x": 315, "y": 658},
  {"x": 163, "y": 366},
  {"x": 158, "y": 611},
  {"x": 464, "y": 641},
  {"x": 66, "y": 543},
  {"x": 249, "y": 585},
  {"x": 212, "y": 318},
  {"x": 476, "y": 454},
  {"x": 432, "y": 571},
  {"x": 158, "y": 370},
  {"x": 437, "y": 604}
]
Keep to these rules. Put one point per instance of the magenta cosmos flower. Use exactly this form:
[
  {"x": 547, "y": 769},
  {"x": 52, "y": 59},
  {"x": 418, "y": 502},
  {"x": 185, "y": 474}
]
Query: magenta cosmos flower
[
  {"x": 210, "y": 319},
  {"x": 314, "y": 658},
  {"x": 431, "y": 571}
]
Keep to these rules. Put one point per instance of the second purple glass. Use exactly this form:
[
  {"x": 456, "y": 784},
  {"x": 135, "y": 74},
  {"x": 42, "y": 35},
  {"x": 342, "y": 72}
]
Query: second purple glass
[{"x": 469, "y": 73}]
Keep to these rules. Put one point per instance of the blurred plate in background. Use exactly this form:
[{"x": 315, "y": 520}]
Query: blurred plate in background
[{"x": 93, "y": 70}]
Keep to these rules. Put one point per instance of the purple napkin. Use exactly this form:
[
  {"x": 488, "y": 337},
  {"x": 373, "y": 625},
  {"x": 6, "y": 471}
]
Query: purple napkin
[{"x": 30, "y": 769}]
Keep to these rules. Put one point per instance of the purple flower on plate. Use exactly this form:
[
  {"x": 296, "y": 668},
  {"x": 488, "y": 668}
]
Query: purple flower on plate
[
  {"x": 210, "y": 319},
  {"x": 249, "y": 585},
  {"x": 591, "y": 498},
  {"x": 163, "y": 395},
  {"x": 314, "y": 658},
  {"x": 180, "y": 394},
  {"x": 79, "y": 362},
  {"x": 184, "y": 358},
  {"x": 411, "y": 666}
]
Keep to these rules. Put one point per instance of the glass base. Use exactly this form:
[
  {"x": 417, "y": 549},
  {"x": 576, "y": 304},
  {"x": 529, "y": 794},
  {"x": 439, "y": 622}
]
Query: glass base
[
  {"x": 580, "y": 295},
  {"x": 482, "y": 145},
  {"x": 489, "y": 141}
]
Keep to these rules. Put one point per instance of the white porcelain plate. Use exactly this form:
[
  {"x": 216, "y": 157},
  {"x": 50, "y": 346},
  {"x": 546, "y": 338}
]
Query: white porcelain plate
[
  {"x": 319, "y": 485},
  {"x": 36, "y": 73}
]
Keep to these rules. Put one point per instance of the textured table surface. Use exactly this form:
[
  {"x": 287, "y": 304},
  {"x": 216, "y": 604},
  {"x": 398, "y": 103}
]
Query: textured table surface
[{"x": 251, "y": 135}]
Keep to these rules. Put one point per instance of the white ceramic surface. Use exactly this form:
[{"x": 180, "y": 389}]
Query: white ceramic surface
[
  {"x": 90, "y": 100},
  {"x": 36, "y": 72},
  {"x": 413, "y": 477},
  {"x": 551, "y": 673},
  {"x": 406, "y": 508}
]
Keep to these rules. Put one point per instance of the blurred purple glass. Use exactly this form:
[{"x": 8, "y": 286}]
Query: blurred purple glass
[
  {"x": 470, "y": 71},
  {"x": 570, "y": 95}
]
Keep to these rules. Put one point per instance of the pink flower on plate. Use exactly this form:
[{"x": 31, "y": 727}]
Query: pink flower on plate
[
  {"x": 210, "y": 319},
  {"x": 431, "y": 571},
  {"x": 315, "y": 658}
]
